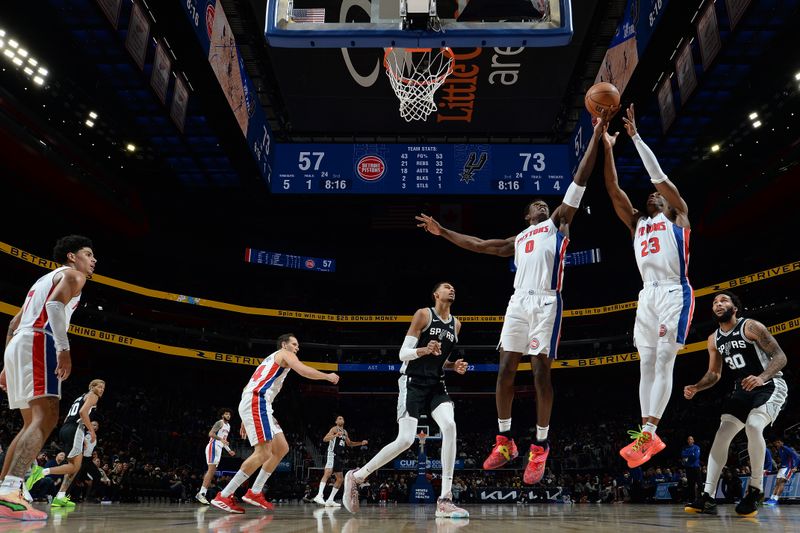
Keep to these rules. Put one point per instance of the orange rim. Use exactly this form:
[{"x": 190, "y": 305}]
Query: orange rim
[{"x": 408, "y": 81}]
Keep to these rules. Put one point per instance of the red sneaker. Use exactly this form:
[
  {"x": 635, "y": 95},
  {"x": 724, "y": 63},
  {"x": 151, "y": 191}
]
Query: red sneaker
[
  {"x": 504, "y": 451},
  {"x": 16, "y": 508},
  {"x": 226, "y": 504},
  {"x": 644, "y": 446},
  {"x": 534, "y": 470},
  {"x": 257, "y": 499}
]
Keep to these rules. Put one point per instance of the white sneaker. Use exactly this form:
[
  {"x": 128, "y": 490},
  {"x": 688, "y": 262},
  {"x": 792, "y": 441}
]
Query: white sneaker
[
  {"x": 445, "y": 508},
  {"x": 201, "y": 498},
  {"x": 350, "y": 494},
  {"x": 26, "y": 494},
  {"x": 332, "y": 503},
  {"x": 319, "y": 499}
]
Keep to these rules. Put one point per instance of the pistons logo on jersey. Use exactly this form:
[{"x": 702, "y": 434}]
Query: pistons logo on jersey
[
  {"x": 534, "y": 344},
  {"x": 662, "y": 330}
]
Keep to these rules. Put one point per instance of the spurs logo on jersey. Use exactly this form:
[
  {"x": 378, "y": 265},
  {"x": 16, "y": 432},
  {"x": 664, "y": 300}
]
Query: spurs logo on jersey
[
  {"x": 743, "y": 356},
  {"x": 539, "y": 257},
  {"x": 34, "y": 312},
  {"x": 336, "y": 445},
  {"x": 431, "y": 367},
  {"x": 661, "y": 249}
]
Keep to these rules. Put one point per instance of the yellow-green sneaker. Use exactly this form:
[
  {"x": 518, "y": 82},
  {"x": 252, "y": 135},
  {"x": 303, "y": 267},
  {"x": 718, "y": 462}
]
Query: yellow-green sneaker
[
  {"x": 62, "y": 502},
  {"x": 36, "y": 475}
]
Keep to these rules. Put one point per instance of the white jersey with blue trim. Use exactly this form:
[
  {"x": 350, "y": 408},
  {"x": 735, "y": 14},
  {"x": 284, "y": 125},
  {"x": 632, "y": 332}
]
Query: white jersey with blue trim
[
  {"x": 539, "y": 257},
  {"x": 34, "y": 312},
  {"x": 268, "y": 379},
  {"x": 662, "y": 249}
]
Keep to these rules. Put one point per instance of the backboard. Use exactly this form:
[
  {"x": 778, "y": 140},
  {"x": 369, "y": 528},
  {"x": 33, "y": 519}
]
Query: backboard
[{"x": 450, "y": 23}]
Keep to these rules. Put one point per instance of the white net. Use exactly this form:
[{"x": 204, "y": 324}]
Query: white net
[{"x": 415, "y": 75}]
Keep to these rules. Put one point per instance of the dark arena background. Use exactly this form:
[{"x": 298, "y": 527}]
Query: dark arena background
[{"x": 237, "y": 188}]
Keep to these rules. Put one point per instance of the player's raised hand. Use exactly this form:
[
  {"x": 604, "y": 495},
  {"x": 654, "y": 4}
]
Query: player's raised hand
[
  {"x": 689, "y": 391},
  {"x": 461, "y": 366},
  {"x": 610, "y": 140},
  {"x": 429, "y": 224},
  {"x": 333, "y": 378},
  {"x": 630, "y": 121}
]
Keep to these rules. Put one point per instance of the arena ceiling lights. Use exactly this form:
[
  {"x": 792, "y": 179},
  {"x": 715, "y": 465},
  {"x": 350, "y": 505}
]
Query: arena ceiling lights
[{"x": 22, "y": 59}]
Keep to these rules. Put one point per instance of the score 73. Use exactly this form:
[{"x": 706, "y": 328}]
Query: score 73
[
  {"x": 304, "y": 160},
  {"x": 538, "y": 161}
]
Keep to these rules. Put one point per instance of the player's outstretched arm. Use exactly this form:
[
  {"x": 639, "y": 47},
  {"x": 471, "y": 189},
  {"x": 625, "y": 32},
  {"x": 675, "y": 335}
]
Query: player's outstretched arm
[
  {"x": 305, "y": 370},
  {"x": 662, "y": 183},
  {"x": 501, "y": 247},
  {"x": 711, "y": 376},
  {"x": 564, "y": 213},
  {"x": 409, "y": 350},
  {"x": 619, "y": 199},
  {"x": 758, "y": 332}
]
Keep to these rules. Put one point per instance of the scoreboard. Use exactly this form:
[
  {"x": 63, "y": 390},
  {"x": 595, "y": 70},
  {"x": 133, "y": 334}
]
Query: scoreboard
[{"x": 530, "y": 169}]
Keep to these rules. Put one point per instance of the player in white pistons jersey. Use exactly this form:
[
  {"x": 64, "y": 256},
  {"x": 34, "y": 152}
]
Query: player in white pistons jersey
[
  {"x": 666, "y": 302},
  {"x": 37, "y": 359},
  {"x": 532, "y": 323},
  {"x": 260, "y": 427},
  {"x": 217, "y": 442}
]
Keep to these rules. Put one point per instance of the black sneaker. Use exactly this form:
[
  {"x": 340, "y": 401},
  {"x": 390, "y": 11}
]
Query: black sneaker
[
  {"x": 750, "y": 503},
  {"x": 704, "y": 504}
]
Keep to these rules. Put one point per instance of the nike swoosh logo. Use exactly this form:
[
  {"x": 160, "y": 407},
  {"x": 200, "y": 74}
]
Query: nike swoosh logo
[
  {"x": 672, "y": 290},
  {"x": 548, "y": 303}
]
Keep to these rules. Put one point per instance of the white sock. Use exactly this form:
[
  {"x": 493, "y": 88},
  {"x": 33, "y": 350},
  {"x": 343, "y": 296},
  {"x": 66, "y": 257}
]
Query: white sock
[
  {"x": 10, "y": 484},
  {"x": 261, "y": 480},
  {"x": 234, "y": 484},
  {"x": 776, "y": 497},
  {"x": 46, "y": 472},
  {"x": 203, "y": 491},
  {"x": 61, "y": 494},
  {"x": 321, "y": 489},
  {"x": 650, "y": 428},
  {"x": 541, "y": 432},
  {"x": 334, "y": 490},
  {"x": 504, "y": 424}
]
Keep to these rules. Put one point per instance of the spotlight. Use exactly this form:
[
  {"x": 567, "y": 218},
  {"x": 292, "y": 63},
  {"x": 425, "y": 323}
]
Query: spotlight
[
  {"x": 757, "y": 124},
  {"x": 89, "y": 123},
  {"x": 22, "y": 52},
  {"x": 17, "y": 61},
  {"x": 715, "y": 148},
  {"x": 38, "y": 80},
  {"x": 753, "y": 116},
  {"x": 130, "y": 147},
  {"x": 42, "y": 71},
  {"x": 12, "y": 43},
  {"x": 92, "y": 115},
  {"x": 796, "y": 76},
  {"x": 32, "y": 61},
  {"x": 8, "y": 53},
  {"x": 27, "y": 71}
]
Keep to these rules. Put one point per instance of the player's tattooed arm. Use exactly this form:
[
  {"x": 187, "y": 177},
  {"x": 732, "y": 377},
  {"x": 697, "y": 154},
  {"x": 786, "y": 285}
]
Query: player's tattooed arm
[
  {"x": 758, "y": 332},
  {"x": 711, "y": 376},
  {"x": 12, "y": 326},
  {"x": 216, "y": 427}
]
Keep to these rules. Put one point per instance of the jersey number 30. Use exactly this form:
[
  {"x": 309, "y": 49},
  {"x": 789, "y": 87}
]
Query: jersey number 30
[
  {"x": 650, "y": 246},
  {"x": 737, "y": 361}
]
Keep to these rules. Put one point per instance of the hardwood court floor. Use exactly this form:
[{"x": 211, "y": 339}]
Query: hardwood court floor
[{"x": 403, "y": 518}]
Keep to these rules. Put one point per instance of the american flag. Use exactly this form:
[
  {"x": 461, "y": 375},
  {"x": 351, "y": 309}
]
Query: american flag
[{"x": 316, "y": 14}]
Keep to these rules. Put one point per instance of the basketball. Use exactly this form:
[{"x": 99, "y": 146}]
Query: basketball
[{"x": 601, "y": 96}]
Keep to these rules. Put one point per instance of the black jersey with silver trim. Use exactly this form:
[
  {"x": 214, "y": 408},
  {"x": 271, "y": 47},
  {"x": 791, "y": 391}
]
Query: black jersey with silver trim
[
  {"x": 742, "y": 356},
  {"x": 431, "y": 367},
  {"x": 73, "y": 415}
]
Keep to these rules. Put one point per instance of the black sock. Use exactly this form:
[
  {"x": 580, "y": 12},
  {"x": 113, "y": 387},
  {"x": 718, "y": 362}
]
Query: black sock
[{"x": 506, "y": 434}]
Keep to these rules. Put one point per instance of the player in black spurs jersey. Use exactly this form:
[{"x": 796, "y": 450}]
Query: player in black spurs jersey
[
  {"x": 753, "y": 356},
  {"x": 338, "y": 439},
  {"x": 431, "y": 337}
]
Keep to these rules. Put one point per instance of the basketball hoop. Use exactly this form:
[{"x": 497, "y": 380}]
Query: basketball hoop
[{"x": 415, "y": 75}]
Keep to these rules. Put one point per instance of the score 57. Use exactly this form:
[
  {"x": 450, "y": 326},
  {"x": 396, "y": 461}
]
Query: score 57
[
  {"x": 304, "y": 160},
  {"x": 534, "y": 161}
]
